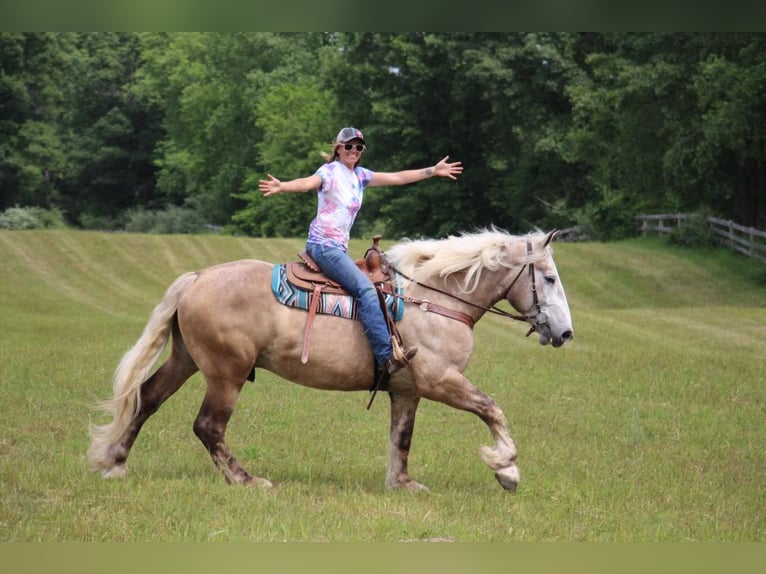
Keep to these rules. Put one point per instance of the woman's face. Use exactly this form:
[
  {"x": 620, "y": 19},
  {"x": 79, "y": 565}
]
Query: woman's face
[{"x": 350, "y": 152}]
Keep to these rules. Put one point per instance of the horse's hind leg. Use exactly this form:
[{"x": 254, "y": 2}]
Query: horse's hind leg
[
  {"x": 210, "y": 428},
  {"x": 156, "y": 390},
  {"x": 403, "y": 409}
]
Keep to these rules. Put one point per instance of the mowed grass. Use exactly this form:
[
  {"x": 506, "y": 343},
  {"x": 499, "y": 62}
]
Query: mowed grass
[{"x": 649, "y": 426}]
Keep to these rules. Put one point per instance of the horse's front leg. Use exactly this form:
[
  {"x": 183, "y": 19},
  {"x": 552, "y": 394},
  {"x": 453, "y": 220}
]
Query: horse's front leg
[
  {"x": 403, "y": 409},
  {"x": 457, "y": 391}
]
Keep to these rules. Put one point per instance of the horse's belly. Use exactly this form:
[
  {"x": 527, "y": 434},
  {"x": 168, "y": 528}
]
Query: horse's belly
[
  {"x": 320, "y": 374},
  {"x": 337, "y": 357}
]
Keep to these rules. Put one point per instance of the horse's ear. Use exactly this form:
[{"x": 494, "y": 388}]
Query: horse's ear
[{"x": 550, "y": 237}]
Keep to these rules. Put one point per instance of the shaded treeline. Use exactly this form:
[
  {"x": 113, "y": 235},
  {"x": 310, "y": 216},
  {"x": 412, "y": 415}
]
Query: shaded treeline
[{"x": 554, "y": 129}]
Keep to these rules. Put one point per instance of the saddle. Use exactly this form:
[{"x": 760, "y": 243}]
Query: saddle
[{"x": 306, "y": 274}]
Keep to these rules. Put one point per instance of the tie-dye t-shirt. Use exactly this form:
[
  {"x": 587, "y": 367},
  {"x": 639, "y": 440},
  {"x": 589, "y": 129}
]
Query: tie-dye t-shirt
[{"x": 339, "y": 199}]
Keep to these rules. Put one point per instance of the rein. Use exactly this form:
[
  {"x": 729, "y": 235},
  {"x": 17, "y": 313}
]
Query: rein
[{"x": 537, "y": 320}]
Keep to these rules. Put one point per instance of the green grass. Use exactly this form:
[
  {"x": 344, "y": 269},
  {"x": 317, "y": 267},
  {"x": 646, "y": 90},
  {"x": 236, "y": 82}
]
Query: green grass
[{"x": 649, "y": 426}]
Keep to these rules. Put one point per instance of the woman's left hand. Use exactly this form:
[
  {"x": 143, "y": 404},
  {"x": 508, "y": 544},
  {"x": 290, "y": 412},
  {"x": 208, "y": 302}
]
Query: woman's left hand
[{"x": 450, "y": 170}]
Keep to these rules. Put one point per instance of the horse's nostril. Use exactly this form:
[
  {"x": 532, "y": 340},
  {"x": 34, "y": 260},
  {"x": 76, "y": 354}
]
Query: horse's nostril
[{"x": 567, "y": 335}]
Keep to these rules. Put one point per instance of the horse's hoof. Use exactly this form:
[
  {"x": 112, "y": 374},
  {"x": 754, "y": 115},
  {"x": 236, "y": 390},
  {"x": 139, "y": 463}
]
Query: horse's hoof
[
  {"x": 117, "y": 471},
  {"x": 408, "y": 485},
  {"x": 508, "y": 477},
  {"x": 260, "y": 482},
  {"x": 413, "y": 486}
]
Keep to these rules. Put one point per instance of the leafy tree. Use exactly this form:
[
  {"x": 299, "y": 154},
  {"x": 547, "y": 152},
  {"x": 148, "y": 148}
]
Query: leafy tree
[
  {"x": 35, "y": 75},
  {"x": 166, "y": 130},
  {"x": 731, "y": 155},
  {"x": 670, "y": 122},
  {"x": 625, "y": 114},
  {"x": 496, "y": 102},
  {"x": 209, "y": 86},
  {"x": 72, "y": 137},
  {"x": 296, "y": 120},
  {"x": 112, "y": 136}
]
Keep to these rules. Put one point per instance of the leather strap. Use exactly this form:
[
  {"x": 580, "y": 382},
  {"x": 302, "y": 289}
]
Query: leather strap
[
  {"x": 316, "y": 295},
  {"x": 464, "y": 318},
  {"x": 432, "y": 307}
]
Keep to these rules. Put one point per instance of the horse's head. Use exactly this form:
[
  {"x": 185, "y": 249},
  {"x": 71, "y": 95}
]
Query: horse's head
[
  {"x": 538, "y": 293},
  {"x": 519, "y": 269}
]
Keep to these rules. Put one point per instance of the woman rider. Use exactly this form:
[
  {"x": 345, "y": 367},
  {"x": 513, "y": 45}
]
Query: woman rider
[{"x": 340, "y": 184}]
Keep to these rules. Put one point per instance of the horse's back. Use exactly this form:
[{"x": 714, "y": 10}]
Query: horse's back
[
  {"x": 237, "y": 269},
  {"x": 223, "y": 292}
]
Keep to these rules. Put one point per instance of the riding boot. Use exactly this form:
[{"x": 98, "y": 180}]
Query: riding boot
[{"x": 395, "y": 364}]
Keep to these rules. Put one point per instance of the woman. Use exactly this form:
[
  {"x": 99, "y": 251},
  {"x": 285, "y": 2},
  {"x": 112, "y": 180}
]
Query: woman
[{"x": 340, "y": 184}]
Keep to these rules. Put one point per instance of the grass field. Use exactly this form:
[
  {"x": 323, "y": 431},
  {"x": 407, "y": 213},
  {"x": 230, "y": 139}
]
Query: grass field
[{"x": 649, "y": 426}]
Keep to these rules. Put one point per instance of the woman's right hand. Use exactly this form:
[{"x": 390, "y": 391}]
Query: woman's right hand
[{"x": 269, "y": 186}]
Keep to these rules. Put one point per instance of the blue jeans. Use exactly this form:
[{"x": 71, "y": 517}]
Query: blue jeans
[{"x": 339, "y": 267}]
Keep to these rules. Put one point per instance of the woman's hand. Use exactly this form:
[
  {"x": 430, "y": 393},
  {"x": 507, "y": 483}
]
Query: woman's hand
[
  {"x": 269, "y": 186},
  {"x": 450, "y": 170}
]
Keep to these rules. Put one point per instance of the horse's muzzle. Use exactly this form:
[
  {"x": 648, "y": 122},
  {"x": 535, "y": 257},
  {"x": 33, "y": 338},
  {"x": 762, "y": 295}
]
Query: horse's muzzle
[
  {"x": 546, "y": 335},
  {"x": 561, "y": 339}
]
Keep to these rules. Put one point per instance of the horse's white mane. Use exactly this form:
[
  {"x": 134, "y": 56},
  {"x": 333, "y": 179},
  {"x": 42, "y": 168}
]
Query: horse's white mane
[{"x": 471, "y": 253}]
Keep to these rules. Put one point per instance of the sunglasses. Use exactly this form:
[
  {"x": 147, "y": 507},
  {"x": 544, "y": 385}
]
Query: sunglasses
[{"x": 359, "y": 147}]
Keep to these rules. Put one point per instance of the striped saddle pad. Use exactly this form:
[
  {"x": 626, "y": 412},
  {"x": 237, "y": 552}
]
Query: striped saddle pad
[{"x": 329, "y": 303}]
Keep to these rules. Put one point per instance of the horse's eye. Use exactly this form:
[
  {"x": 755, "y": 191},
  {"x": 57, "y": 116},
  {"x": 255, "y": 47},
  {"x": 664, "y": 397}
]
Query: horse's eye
[{"x": 551, "y": 279}]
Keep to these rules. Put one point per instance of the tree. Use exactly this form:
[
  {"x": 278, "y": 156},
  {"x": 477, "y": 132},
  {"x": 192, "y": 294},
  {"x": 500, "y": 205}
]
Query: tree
[
  {"x": 34, "y": 81},
  {"x": 111, "y": 137},
  {"x": 669, "y": 122},
  {"x": 552, "y": 128},
  {"x": 731, "y": 155},
  {"x": 496, "y": 102},
  {"x": 296, "y": 120},
  {"x": 209, "y": 86}
]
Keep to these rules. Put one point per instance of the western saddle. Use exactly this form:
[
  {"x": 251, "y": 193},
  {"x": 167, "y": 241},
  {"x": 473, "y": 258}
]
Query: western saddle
[{"x": 306, "y": 274}]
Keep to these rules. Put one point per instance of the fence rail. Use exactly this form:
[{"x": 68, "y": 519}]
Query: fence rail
[{"x": 746, "y": 240}]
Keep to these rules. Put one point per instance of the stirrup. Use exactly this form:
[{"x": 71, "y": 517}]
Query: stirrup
[
  {"x": 399, "y": 359},
  {"x": 395, "y": 363}
]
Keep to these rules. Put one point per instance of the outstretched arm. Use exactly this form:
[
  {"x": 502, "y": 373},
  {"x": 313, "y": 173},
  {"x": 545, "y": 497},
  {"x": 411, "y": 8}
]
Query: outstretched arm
[
  {"x": 272, "y": 185},
  {"x": 441, "y": 169}
]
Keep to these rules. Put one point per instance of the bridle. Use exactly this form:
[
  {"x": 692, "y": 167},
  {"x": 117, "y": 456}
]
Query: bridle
[{"x": 537, "y": 321}]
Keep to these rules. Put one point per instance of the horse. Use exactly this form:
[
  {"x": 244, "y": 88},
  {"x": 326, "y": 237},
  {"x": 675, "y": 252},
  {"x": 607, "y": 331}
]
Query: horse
[{"x": 225, "y": 322}]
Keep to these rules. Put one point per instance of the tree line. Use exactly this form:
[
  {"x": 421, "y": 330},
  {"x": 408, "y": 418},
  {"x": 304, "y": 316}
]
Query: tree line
[{"x": 172, "y": 131}]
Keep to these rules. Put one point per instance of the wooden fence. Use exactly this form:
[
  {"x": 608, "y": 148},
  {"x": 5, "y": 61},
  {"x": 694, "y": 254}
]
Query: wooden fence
[{"x": 746, "y": 240}]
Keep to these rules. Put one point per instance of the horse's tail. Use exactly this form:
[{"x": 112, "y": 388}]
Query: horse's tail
[{"x": 133, "y": 370}]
